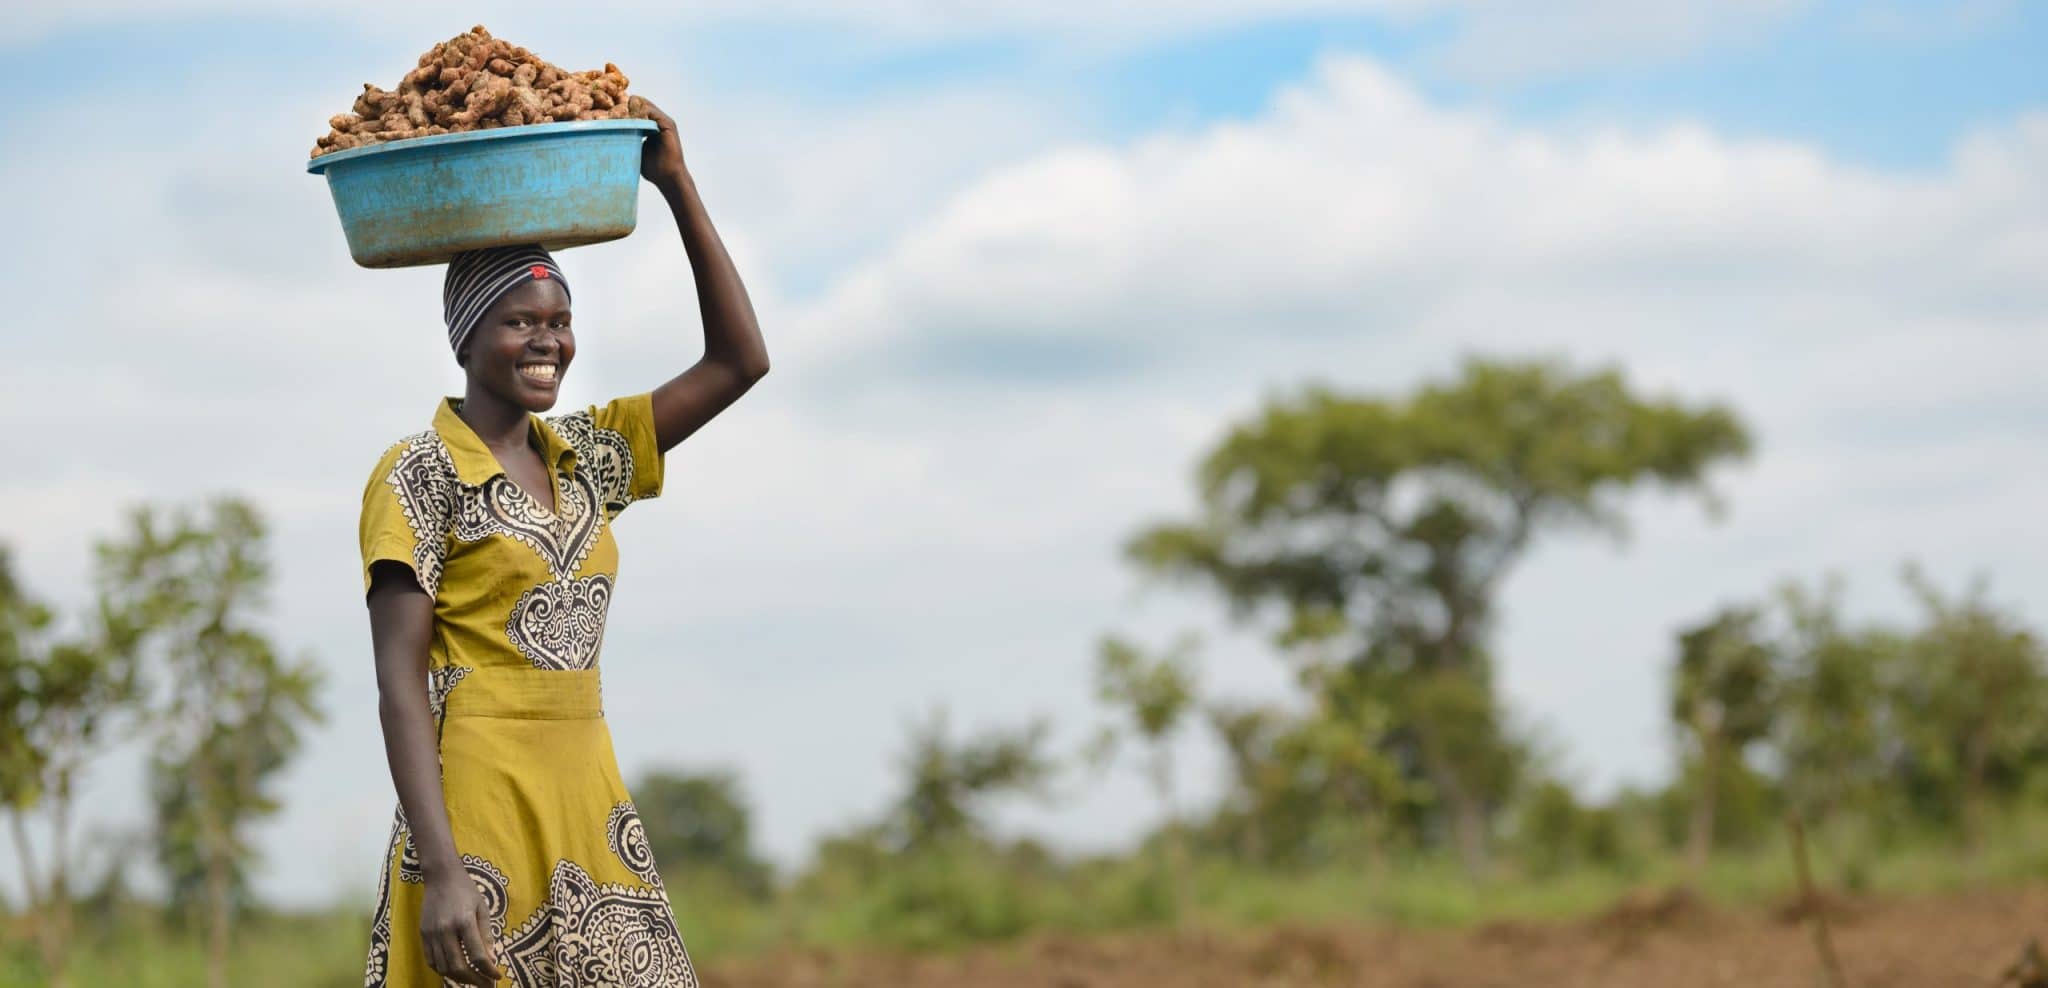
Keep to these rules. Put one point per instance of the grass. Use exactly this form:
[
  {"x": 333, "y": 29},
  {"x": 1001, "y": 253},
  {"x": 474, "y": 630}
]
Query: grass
[
  {"x": 314, "y": 950},
  {"x": 961, "y": 898}
]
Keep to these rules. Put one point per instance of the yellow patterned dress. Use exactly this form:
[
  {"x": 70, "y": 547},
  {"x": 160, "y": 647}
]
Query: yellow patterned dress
[{"x": 541, "y": 818}]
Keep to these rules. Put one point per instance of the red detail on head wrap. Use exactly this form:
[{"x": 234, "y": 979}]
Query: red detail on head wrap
[{"x": 539, "y": 271}]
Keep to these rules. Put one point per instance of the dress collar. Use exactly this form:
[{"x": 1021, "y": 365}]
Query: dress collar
[{"x": 474, "y": 462}]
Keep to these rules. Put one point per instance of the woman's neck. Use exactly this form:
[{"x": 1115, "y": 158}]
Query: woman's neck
[{"x": 499, "y": 423}]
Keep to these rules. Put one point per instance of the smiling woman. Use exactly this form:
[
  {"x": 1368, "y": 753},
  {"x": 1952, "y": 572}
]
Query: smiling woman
[
  {"x": 512, "y": 305},
  {"x": 488, "y": 561}
]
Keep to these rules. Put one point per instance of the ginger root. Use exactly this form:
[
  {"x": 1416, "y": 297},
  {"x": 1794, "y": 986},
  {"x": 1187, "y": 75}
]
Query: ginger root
[{"x": 474, "y": 81}]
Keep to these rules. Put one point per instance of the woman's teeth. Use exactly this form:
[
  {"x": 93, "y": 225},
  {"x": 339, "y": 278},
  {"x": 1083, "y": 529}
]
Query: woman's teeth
[{"x": 539, "y": 372}]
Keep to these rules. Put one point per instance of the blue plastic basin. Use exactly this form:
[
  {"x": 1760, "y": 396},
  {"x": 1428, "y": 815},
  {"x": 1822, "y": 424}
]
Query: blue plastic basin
[{"x": 425, "y": 199}]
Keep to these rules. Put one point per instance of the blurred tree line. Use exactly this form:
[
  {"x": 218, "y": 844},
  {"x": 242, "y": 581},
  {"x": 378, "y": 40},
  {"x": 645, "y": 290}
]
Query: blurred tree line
[
  {"x": 1367, "y": 536},
  {"x": 1938, "y": 723},
  {"x": 1370, "y": 537},
  {"x": 167, "y": 654}
]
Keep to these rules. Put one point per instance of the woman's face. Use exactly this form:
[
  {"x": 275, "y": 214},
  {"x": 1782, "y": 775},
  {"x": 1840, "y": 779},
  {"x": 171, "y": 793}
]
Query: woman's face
[{"x": 522, "y": 346}]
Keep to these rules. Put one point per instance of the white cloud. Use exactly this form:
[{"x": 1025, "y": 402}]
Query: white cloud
[
  {"x": 1494, "y": 39},
  {"x": 905, "y": 18},
  {"x": 1355, "y": 206},
  {"x": 1879, "y": 331},
  {"x": 907, "y": 514}
]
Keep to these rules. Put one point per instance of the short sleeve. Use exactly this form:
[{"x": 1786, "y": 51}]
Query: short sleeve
[
  {"x": 615, "y": 443},
  {"x": 406, "y": 505}
]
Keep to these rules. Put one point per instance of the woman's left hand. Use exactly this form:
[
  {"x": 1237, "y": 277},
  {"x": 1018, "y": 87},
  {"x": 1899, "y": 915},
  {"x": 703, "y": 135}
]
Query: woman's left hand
[{"x": 661, "y": 154}]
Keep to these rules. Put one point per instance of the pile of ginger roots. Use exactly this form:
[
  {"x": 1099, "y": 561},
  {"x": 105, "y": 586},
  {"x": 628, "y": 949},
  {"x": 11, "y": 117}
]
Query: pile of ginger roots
[{"x": 475, "y": 82}]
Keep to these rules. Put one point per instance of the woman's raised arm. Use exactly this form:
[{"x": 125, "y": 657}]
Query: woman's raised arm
[{"x": 734, "y": 355}]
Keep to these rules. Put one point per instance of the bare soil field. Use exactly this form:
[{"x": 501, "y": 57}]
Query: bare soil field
[{"x": 1656, "y": 941}]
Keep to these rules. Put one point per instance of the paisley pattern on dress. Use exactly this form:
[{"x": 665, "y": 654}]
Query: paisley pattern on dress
[
  {"x": 561, "y": 538},
  {"x": 440, "y": 683},
  {"x": 408, "y": 859},
  {"x": 560, "y": 625},
  {"x": 490, "y": 883},
  {"x": 628, "y": 839},
  {"x": 378, "y": 966},
  {"x": 408, "y": 856},
  {"x": 592, "y": 934},
  {"x": 602, "y": 453},
  {"x": 423, "y": 477}
]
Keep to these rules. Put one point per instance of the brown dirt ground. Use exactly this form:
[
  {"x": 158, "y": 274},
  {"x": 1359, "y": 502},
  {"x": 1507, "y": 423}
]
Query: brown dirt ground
[{"x": 1651, "y": 941}]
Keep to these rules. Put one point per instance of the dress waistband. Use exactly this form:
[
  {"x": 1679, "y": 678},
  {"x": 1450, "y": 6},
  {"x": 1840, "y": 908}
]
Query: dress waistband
[{"x": 531, "y": 694}]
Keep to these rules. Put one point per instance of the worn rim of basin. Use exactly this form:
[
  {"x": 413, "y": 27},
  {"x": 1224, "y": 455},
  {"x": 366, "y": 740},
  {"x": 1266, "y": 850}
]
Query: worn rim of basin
[{"x": 325, "y": 161}]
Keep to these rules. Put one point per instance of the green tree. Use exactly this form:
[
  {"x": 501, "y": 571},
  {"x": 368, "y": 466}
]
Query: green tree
[
  {"x": 1835, "y": 726},
  {"x": 1972, "y": 702},
  {"x": 948, "y": 785},
  {"x": 63, "y": 702},
  {"x": 1723, "y": 702},
  {"x": 929, "y": 872},
  {"x": 699, "y": 821},
  {"x": 1381, "y": 530},
  {"x": 1153, "y": 694},
  {"x": 232, "y": 709},
  {"x": 1313, "y": 787},
  {"x": 220, "y": 779},
  {"x": 1557, "y": 832},
  {"x": 1245, "y": 817}
]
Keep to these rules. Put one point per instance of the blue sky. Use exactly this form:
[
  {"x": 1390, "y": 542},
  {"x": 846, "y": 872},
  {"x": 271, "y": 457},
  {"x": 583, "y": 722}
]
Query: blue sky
[
  {"x": 1019, "y": 266},
  {"x": 1889, "y": 84},
  {"x": 1835, "y": 76}
]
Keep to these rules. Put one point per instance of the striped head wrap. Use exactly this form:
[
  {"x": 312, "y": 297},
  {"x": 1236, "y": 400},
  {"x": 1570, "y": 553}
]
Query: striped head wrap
[{"x": 478, "y": 278}]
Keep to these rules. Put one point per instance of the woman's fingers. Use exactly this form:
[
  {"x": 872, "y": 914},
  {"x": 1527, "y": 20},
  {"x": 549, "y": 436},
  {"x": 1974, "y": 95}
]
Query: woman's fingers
[
  {"x": 481, "y": 963},
  {"x": 661, "y": 119},
  {"x": 437, "y": 954},
  {"x": 662, "y": 153},
  {"x": 444, "y": 955}
]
